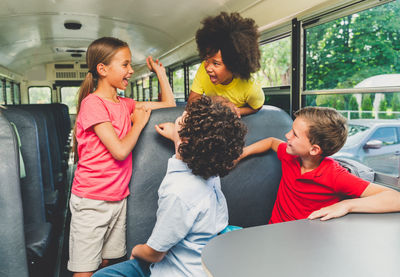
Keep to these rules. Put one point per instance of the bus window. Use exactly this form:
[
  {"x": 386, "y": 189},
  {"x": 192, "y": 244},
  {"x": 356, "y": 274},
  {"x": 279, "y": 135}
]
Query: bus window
[
  {"x": 134, "y": 90},
  {"x": 69, "y": 96},
  {"x": 39, "y": 95},
  {"x": 179, "y": 85},
  {"x": 192, "y": 73},
  {"x": 384, "y": 105},
  {"x": 343, "y": 52},
  {"x": 139, "y": 85},
  {"x": 17, "y": 94},
  {"x": 146, "y": 88},
  {"x": 154, "y": 88},
  {"x": 9, "y": 94},
  {"x": 2, "y": 92},
  {"x": 121, "y": 92},
  {"x": 352, "y": 65},
  {"x": 274, "y": 74},
  {"x": 275, "y": 63}
]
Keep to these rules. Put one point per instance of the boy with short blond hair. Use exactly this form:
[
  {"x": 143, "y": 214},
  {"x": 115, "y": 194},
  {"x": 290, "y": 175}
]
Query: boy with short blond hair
[{"x": 314, "y": 185}]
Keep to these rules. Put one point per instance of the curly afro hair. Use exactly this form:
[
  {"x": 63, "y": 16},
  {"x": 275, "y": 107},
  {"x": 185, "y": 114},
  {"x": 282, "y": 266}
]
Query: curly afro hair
[
  {"x": 212, "y": 138},
  {"x": 236, "y": 37}
]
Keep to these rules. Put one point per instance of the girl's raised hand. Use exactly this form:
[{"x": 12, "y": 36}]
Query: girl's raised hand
[
  {"x": 154, "y": 66},
  {"x": 141, "y": 116}
]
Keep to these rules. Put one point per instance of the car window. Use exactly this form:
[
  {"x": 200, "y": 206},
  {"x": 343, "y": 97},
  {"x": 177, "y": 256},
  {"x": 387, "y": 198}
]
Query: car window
[
  {"x": 356, "y": 133},
  {"x": 387, "y": 135}
]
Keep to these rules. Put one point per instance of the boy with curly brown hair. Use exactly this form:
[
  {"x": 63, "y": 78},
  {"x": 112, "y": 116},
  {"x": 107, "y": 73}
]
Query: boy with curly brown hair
[
  {"x": 228, "y": 46},
  {"x": 192, "y": 209}
]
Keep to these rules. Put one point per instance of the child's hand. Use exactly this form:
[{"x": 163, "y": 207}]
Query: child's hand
[
  {"x": 141, "y": 116},
  {"x": 166, "y": 129},
  {"x": 235, "y": 109},
  {"x": 242, "y": 156},
  {"x": 132, "y": 257},
  {"x": 333, "y": 211},
  {"x": 154, "y": 66},
  {"x": 235, "y": 162}
]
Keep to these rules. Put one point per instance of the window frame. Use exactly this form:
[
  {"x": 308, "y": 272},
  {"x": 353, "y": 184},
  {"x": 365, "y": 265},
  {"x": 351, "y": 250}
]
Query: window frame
[
  {"x": 29, "y": 98},
  {"x": 318, "y": 19},
  {"x": 61, "y": 98}
]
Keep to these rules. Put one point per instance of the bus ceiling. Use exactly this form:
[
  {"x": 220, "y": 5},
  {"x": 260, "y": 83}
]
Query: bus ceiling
[{"x": 38, "y": 32}]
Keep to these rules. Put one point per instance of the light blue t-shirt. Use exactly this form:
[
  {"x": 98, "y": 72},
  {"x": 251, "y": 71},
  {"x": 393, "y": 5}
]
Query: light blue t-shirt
[{"x": 191, "y": 211}]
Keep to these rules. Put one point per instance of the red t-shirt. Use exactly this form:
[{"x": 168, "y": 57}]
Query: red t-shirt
[
  {"x": 301, "y": 194},
  {"x": 98, "y": 175}
]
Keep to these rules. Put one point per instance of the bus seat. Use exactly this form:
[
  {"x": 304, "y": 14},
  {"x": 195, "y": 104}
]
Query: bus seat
[
  {"x": 37, "y": 230},
  {"x": 51, "y": 195},
  {"x": 64, "y": 121},
  {"x": 55, "y": 149},
  {"x": 250, "y": 188},
  {"x": 13, "y": 260},
  {"x": 149, "y": 164},
  {"x": 32, "y": 184},
  {"x": 38, "y": 238},
  {"x": 61, "y": 124}
]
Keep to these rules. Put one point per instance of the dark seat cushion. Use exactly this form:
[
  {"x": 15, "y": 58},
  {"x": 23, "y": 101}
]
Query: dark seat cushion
[
  {"x": 250, "y": 189},
  {"x": 32, "y": 184},
  {"x": 37, "y": 239},
  {"x": 12, "y": 251}
]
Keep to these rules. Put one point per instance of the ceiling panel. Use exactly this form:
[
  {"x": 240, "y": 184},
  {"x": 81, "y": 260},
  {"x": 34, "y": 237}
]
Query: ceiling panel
[{"x": 30, "y": 30}]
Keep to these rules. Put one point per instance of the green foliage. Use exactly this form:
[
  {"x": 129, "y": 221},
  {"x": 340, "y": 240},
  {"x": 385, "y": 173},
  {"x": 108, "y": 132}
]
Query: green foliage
[
  {"x": 275, "y": 64},
  {"x": 353, "y": 106},
  {"x": 335, "y": 101},
  {"x": 396, "y": 103},
  {"x": 179, "y": 84},
  {"x": 311, "y": 100},
  {"x": 383, "y": 108},
  {"x": 343, "y": 52},
  {"x": 366, "y": 105},
  {"x": 69, "y": 96}
]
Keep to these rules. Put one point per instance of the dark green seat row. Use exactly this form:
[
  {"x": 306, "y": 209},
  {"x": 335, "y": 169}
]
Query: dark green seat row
[{"x": 41, "y": 129}]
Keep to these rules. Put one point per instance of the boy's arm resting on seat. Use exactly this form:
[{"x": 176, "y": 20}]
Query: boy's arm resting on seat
[
  {"x": 167, "y": 96},
  {"x": 146, "y": 253},
  {"x": 261, "y": 146},
  {"x": 374, "y": 199}
]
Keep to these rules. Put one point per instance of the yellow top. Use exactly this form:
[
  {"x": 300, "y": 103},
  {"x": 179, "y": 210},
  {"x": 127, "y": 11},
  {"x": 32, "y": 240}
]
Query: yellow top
[{"x": 240, "y": 92}]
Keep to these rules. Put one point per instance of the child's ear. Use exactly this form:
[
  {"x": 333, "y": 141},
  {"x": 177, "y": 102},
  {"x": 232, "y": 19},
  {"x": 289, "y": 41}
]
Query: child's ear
[
  {"x": 315, "y": 150},
  {"x": 101, "y": 69}
]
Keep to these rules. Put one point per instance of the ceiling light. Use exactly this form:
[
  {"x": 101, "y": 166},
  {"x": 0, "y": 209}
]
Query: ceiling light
[{"x": 72, "y": 25}]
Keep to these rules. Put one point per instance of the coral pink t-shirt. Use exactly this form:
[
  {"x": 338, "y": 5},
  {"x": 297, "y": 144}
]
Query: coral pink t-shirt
[
  {"x": 301, "y": 194},
  {"x": 98, "y": 175}
]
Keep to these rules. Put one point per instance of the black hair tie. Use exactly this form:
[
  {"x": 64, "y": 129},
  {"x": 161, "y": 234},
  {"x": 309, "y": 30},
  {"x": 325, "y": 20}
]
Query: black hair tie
[{"x": 92, "y": 71}]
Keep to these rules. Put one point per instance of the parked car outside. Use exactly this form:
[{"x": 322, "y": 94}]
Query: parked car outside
[{"x": 375, "y": 143}]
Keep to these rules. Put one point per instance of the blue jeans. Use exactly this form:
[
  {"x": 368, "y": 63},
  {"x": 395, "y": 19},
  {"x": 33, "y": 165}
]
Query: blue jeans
[{"x": 131, "y": 268}]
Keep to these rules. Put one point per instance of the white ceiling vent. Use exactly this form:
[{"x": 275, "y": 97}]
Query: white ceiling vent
[
  {"x": 65, "y": 75},
  {"x": 63, "y": 71}
]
